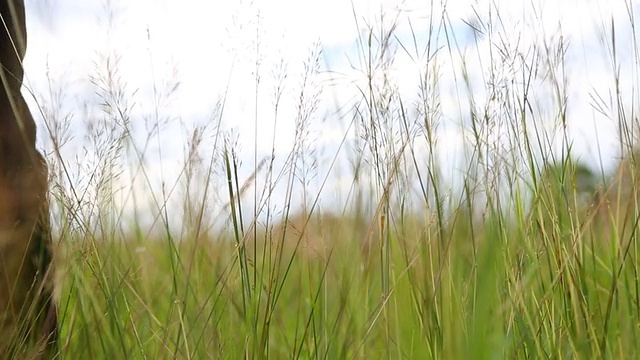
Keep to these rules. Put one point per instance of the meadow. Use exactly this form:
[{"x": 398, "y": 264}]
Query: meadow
[{"x": 530, "y": 254}]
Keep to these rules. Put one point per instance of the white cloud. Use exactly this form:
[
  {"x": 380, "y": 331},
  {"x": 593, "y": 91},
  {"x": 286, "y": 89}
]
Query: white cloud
[{"x": 212, "y": 45}]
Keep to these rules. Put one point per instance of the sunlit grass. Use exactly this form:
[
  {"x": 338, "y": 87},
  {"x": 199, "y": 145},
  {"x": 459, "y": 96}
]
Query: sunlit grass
[
  {"x": 536, "y": 259},
  {"x": 519, "y": 292}
]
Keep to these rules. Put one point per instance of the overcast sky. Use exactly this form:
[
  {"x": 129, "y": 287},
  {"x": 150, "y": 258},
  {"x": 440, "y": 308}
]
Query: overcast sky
[{"x": 210, "y": 48}]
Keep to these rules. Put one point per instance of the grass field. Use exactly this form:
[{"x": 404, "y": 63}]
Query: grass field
[
  {"x": 527, "y": 262},
  {"x": 547, "y": 286}
]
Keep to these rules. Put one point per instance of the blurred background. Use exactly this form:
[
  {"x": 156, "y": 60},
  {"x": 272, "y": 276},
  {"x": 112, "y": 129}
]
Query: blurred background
[{"x": 136, "y": 101}]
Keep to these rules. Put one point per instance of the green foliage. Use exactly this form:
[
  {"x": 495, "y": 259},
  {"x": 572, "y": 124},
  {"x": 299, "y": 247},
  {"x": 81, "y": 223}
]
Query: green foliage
[
  {"x": 509, "y": 292},
  {"x": 532, "y": 261}
]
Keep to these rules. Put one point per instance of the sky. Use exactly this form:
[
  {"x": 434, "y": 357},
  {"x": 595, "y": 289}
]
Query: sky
[{"x": 210, "y": 49}]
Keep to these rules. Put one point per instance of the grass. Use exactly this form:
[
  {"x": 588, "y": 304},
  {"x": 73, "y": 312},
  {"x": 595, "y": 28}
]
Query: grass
[
  {"x": 529, "y": 262},
  {"x": 506, "y": 292}
]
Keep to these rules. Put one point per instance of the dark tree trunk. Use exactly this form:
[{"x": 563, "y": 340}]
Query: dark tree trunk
[{"x": 28, "y": 319}]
